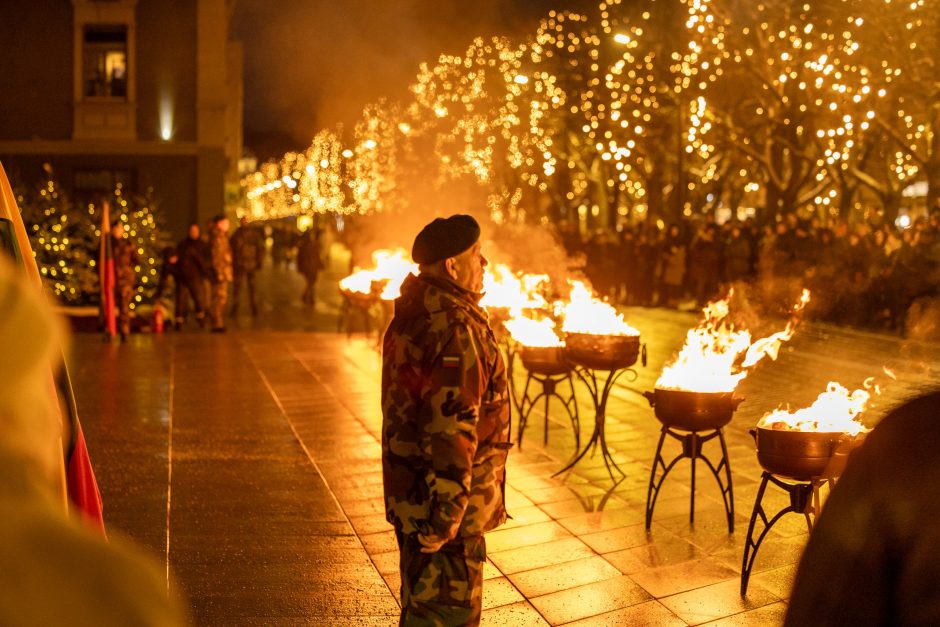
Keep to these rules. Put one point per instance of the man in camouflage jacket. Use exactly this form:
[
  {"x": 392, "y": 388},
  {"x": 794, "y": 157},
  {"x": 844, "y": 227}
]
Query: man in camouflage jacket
[
  {"x": 445, "y": 434},
  {"x": 125, "y": 276},
  {"x": 221, "y": 270}
]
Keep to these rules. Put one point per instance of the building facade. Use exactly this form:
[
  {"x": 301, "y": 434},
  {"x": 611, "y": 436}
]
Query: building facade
[{"x": 147, "y": 93}]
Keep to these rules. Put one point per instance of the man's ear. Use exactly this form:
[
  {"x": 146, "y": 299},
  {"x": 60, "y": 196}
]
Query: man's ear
[{"x": 450, "y": 267}]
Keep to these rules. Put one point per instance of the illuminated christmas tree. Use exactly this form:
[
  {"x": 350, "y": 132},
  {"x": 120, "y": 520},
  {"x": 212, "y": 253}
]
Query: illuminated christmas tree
[
  {"x": 63, "y": 244},
  {"x": 141, "y": 226}
]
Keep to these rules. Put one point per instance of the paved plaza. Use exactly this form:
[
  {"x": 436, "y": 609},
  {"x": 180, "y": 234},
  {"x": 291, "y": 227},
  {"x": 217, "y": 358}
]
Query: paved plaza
[{"x": 250, "y": 463}]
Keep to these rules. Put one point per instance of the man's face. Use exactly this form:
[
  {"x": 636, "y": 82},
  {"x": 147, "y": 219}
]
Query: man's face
[
  {"x": 467, "y": 268},
  {"x": 117, "y": 230},
  {"x": 223, "y": 225},
  {"x": 194, "y": 231}
]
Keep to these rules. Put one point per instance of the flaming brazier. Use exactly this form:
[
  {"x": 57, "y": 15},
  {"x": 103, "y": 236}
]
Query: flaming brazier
[
  {"x": 685, "y": 415},
  {"x": 547, "y": 366},
  {"x": 799, "y": 463},
  {"x": 594, "y": 353}
]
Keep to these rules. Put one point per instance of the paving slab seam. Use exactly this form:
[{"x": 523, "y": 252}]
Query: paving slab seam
[{"x": 169, "y": 455}]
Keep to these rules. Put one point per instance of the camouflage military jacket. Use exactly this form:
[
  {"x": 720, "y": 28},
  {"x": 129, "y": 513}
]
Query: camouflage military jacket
[
  {"x": 221, "y": 253},
  {"x": 125, "y": 258},
  {"x": 247, "y": 247},
  {"x": 446, "y": 411}
]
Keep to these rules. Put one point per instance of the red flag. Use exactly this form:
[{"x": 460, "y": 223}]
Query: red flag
[
  {"x": 106, "y": 272},
  {"x": 82, "y": 487}
]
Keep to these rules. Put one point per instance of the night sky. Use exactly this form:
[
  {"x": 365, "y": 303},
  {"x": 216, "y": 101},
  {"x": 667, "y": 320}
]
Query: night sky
[{"x": 310, "y": 64}]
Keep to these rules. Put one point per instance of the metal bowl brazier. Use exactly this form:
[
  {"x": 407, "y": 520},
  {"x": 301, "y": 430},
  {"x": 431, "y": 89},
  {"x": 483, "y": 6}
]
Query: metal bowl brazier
[
  {"x": 804, "y": 455},
  {"x": 545, "y": 360},
  {"x": 693, "y": 411},
  {"x": 602, "y": 352}
]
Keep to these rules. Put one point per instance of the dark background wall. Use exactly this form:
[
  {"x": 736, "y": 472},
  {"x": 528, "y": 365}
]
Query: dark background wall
[
  {"x": 36, "y": 69},
  {"x": 166, "y": 66}
]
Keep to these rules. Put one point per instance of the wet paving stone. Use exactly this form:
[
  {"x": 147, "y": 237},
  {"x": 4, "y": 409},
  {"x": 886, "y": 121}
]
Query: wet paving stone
[{"x": 250, "y": 462}]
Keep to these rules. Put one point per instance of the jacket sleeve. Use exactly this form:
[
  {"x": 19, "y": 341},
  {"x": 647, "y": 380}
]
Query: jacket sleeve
[{"x": 453, "y": 407}]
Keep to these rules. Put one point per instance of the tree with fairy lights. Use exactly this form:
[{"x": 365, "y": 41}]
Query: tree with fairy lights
[
  {"x": 656, "y": 91},
  {"x": 142, "y": 227},
  {"x": 901, "y": 42},
  {"x": 791, "y": 99},
  {"x": 373, "y": 166},
  {"x": 321, "y": 181},
  {"x": 62, "y": 242},
  {"x": 481, "y": 112}
]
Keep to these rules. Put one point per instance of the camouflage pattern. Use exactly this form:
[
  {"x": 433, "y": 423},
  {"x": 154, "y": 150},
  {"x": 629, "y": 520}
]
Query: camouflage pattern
[
  {"x": 219, "y": 296},
  {"x": 247, "y": 248},
  {"x": 445, "y": 438},
  {"x": 221, "y": 254},
  {"x": 221, "y": 276},
  {"x": 443, "y": 588},
  {"x": 125, "y": 278}
]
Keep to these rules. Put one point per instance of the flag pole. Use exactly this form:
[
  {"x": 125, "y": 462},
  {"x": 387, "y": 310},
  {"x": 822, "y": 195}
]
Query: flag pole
[{"x": 106, "y": 273}]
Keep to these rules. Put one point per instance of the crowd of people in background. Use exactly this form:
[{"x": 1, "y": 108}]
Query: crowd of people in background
[
  {"x": 207, "y": 265},
  {"x": 861, "y": 274}
]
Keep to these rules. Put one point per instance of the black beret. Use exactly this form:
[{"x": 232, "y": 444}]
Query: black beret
[{"x": 444, "y": 238}]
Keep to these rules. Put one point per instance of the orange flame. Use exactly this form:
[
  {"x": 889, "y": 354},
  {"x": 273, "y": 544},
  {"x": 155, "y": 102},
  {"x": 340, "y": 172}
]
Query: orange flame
[
  {"x": 834, "y": 411},
  {"x": 390, "y": 267},
  {"x": 708, "y": 362},
  {"x": 583, "y": 313},
  {"x": 502, "y": 288},
  {"x": 533, "y": 333}
]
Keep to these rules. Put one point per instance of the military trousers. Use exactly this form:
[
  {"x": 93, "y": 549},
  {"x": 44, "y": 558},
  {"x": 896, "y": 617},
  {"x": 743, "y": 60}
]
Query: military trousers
[
  {"x": 249, "y": 278},
  {"x": 441, "y": 589},
  {"x": 219, "y": 296},
  {"x": 123, "y": 296}
]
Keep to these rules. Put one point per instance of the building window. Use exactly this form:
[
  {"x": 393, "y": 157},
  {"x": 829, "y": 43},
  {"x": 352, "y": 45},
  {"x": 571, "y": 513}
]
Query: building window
[{"x": 104, "y": 59}]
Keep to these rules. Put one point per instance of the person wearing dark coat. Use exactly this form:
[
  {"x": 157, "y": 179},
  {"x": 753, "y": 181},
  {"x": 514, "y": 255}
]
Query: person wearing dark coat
[
  {"x": 737, "y": 256},
  {"x": 672, "y": 274},
  {"x": 309, "y": 263},
  {"x": 704, "y": 263},
  {"x": 247, "y": 249},
  {"x": 647, "y": 256},
  {"x": 874, "y": 555},
  {"x": 192, "y": 272}
]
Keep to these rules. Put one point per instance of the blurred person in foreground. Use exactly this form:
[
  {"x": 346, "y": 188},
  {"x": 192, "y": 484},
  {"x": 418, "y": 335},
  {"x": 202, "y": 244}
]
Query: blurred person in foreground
[
  {"x": 445, "y": 433},
  {"x": 874, "y": 556},
  {"x": 54, "y": 570}
]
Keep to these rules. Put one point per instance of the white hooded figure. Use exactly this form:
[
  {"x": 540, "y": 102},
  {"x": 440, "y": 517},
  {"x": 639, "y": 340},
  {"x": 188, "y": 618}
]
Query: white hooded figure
[{"x": 53, "y": 570}]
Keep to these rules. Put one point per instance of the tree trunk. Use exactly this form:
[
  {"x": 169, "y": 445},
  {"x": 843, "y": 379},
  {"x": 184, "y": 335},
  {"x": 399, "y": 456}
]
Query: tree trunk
[{"x": 933, "y": 184}]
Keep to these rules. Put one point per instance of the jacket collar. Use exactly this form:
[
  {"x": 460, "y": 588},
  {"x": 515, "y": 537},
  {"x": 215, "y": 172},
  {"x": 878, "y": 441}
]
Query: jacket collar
[{"x": 456, "y": 295}]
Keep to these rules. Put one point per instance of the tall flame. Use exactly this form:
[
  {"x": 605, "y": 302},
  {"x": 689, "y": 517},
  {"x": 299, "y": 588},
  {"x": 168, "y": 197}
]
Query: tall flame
[
  {"x": 834, "y": 411},
  {"x": 533, "y": 333},
  {"x": 390, "y": 267},
  {"x": 505, "y": 289},
  {"x": 708, "y": 362},
  {"x": 585, "y": 314}
]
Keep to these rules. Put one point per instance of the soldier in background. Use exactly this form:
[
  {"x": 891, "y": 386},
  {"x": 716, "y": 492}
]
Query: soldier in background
[
  {"x": 309, "y": 263},
  {"x": 125, "y": 276},
  {"x": 221, "y": 271},
  {"x": 247, "y": 248},
  {"x": 445, "y": 431},
  {"x": 192, "y": 273}
]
